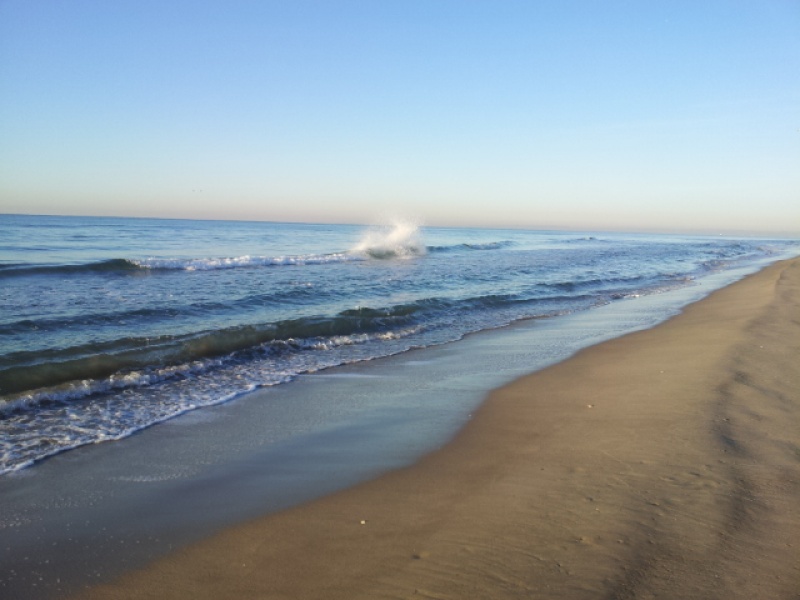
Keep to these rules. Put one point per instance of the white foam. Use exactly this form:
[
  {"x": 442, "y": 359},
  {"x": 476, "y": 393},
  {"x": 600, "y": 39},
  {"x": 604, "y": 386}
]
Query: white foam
[
  {"x": 401, "y": 239},
  {"x": 238, "y": 262}
]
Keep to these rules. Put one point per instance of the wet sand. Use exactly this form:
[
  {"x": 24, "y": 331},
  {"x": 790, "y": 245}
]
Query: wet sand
[{"x": 665, "y": 463}]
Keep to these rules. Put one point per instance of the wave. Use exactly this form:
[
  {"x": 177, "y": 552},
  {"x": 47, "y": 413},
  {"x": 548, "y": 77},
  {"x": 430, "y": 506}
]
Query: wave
[
  {"x": 150, "y": 315},
  {"x": 133, "y": 361},
  {"x": 121, "y": 265},
  {"x": 77, "y": 388},
  {"x": 89, "y": 319},
  {"x": 132, "y": 266},
  {"x": 466, "y": 246},
  {"x": 32, "y": 369},
  {"x": 401, "y": 239},
  {"x": 213, "y": 264},
  {"x": 586, "y": 239},
  {"x": 29, "y": 370},
  {"x": 215, "y": 366}
]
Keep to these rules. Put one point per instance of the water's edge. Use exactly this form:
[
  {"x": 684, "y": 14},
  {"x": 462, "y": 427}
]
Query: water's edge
[{"x": 93, "y": 513}]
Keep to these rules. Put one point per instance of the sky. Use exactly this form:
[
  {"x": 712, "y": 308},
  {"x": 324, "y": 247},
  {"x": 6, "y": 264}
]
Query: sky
[{"x": 647, "y": 115}]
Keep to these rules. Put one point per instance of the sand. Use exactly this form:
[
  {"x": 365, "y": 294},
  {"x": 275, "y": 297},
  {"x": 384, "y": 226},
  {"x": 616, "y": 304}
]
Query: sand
[{"x": 662, "y": 464}]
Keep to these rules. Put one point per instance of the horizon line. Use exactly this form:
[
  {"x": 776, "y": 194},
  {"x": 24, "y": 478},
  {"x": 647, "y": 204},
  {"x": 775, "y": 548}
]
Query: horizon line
[{"x": 706, "y": 232}]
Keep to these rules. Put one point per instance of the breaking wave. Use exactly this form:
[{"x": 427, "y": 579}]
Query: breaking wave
[{"x": 402, "y": 239}]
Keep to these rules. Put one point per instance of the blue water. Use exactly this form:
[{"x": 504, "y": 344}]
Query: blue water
[{"x": 108, "y": 326}]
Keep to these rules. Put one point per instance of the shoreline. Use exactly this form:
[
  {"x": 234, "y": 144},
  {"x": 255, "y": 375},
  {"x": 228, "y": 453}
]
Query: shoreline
[
  {"x": 664, "y": 462},
  {"x": 93, "y": 514}
]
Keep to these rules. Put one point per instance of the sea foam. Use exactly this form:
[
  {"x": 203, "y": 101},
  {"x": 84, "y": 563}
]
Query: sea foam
[{"x": 401, "y": 239}]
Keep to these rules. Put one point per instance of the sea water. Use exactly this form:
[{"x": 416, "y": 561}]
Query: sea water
[{"x": 109, "y": 326}]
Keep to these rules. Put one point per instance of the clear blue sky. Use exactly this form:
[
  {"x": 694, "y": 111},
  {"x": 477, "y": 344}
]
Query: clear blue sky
[{"x": 647, "y": 114}]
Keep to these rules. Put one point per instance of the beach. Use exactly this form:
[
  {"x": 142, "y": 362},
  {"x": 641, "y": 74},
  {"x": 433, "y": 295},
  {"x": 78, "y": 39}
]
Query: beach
[
  {"x": 399, "y": 300},
  {"x": 665, "y": 463}
]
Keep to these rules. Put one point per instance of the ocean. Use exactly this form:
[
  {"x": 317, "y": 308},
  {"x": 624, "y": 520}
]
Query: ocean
[{"x": 111, "y": 325}]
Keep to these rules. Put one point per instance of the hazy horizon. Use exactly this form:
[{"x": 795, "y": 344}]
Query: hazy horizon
[
  {"x": 397, "y": 220},
  {"x": 619, "y": 116}
]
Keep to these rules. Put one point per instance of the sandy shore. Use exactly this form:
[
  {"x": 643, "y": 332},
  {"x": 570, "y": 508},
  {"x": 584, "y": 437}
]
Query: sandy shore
[{"x": 665, "y": 463}]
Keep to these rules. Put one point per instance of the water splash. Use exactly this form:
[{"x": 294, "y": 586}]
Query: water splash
[{"x": 400, "y": 239}]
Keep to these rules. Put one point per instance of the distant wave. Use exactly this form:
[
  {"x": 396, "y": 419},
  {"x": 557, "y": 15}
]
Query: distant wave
[
  {"x": 131, "y": 266},
  {"x": 211, "y": 264},
  {"x": 103, "y": 266},
  {"x": 128, "y": 266},
  {"x": 587, "y": 238},
  {"x": 402, "y": 239},
  {"x": 394, "y": 244},
  {"x": 466, "y": 246}
]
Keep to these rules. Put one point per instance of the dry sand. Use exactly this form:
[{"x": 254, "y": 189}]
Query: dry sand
[{"x": 663, "y": 464}]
